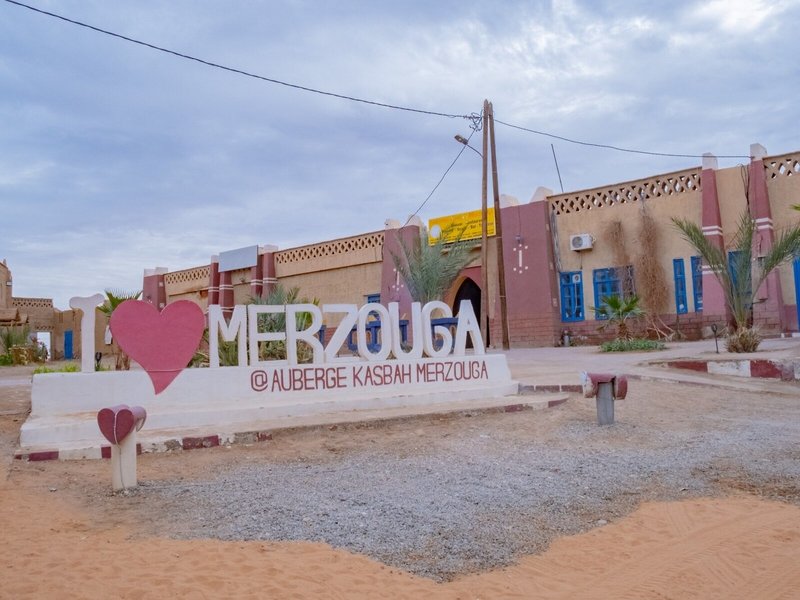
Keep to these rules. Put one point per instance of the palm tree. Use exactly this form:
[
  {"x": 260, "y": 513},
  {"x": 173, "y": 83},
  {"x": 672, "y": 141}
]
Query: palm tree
[
  {"x": 122, "y": 362},
  {"x": 735, "y": 274},
  {"x": 617, "y": 310},
  {"x": 430, "y": 269}
]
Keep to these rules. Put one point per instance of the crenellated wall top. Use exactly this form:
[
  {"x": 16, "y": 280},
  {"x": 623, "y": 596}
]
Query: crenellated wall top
[
  {"x": 335, "y": 254},
  {"x": 187, "y": 280},
  {"x": 668, "y": 184},
  {"x": 783, "y": 165}
]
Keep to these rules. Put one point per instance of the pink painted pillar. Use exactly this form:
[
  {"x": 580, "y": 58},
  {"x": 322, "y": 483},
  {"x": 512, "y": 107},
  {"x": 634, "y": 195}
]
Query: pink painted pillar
[
  {"x": 256, "y": 279},
  {"x": 268, "y": 273},
  {"x": 226, "y": 293},
  {"x": 768, "y": 311},
  {"x": 153, "y": 288},
  {"x": 531, "y": 288},
  {"x": 714, "y": 306},
  {"x": 393, "y": 288},
  {"x": 213, "y": 284}
]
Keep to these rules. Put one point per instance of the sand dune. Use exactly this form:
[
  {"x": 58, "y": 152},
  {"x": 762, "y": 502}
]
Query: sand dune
[{"x": 731, "y": 548}]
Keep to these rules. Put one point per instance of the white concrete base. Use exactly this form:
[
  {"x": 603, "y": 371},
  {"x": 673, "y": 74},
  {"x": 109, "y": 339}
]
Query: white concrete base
[
  {"x": 232, "y": 399},
  {"x": 123, "y": 464},
  {"x": 737, "y": 368}
]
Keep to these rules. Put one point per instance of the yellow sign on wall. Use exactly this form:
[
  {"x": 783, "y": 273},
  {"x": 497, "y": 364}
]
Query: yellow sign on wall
[{"x": 460, "y": 226}]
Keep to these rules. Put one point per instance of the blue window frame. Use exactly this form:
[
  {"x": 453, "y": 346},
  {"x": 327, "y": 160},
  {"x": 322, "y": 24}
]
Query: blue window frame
[
  {"x": 571, "y": 296},
  {"x": 373, "y": 298},
  {"x": 611, "y": 282},
  {"x": 697, "y": 283},
  {"x": 679, "y": 275}
]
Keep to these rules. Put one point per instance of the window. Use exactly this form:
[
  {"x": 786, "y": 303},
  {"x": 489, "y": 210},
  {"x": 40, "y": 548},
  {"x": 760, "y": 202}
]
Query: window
[
  {"x": 697, "y": 283},
  {"x": 613, "y": 281},
  {"x": 679, "y": 275},
  {"x": 373, "y": 298},
  {"x": 571, "y": 296}
]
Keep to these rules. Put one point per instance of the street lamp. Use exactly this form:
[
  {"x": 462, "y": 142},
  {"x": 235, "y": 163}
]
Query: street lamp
[{"x": 462, "y": 140}]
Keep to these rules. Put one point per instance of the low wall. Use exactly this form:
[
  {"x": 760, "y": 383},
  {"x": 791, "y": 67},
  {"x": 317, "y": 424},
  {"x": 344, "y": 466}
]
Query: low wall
[{"x": 232, "y": 399}]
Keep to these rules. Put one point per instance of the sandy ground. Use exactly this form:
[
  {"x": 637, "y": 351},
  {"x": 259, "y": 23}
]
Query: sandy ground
[{"x": 65, "y": 536}]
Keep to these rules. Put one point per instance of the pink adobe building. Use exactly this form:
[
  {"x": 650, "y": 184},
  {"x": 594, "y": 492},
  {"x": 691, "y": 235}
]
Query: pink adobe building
[{"x": 562, "y": 253}]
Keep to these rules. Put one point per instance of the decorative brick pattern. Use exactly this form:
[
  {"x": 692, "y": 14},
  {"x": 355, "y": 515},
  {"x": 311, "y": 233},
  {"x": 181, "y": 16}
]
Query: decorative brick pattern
[
  {"x": 32, "y": 303},
  {"x": 782, "y": 166},
  {"x": 670, "y": 184},
  {"x": 198, "y": 274},
  {"x": 333, "y": 248}
]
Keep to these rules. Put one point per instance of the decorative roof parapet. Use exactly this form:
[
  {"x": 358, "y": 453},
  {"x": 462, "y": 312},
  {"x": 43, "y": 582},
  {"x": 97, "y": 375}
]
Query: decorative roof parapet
[{"x": 668, "y": 184}]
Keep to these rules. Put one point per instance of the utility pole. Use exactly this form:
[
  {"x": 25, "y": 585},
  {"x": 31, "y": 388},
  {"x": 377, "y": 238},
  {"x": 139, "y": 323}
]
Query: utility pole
[
  {"x": 484, "y": 232},
  {"x": 501, "y": 272}
]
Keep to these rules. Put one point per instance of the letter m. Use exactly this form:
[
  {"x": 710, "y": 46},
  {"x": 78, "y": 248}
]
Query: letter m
[{"x": 218, "y": 328}]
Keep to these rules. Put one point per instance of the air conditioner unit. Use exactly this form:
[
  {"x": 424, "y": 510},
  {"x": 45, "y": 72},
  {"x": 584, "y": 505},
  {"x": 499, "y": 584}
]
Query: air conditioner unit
[{"x": 581, "y": 241}]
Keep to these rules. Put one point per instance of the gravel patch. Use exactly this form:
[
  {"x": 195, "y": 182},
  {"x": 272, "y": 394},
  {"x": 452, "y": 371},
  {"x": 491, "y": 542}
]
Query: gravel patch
[{"x": 468, "y": 495}]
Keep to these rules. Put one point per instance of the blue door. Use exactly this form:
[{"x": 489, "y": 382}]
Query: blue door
[
  {"x": 797, "y": 287},
  {"x": 68, "y": 354}
]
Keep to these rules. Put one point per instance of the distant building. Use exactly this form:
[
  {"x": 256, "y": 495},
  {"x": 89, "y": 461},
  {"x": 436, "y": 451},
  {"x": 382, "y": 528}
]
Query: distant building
[
  {"x": 562, "y": 254},
  {"x": 40, "y": 316}
]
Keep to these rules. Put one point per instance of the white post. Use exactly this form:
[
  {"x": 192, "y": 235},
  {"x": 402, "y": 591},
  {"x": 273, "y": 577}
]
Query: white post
[
  {"x": 123, "y": 463},
  {"x": 87, "y": 305}
]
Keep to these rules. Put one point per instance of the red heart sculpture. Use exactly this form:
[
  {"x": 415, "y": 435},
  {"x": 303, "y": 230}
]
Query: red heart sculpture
[
  {"x": 117, "y": 422},
  {"x": 162, "y": 343}
]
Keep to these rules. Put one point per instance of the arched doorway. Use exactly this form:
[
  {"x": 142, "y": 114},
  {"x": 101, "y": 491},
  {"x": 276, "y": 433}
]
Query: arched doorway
[{"x": 470, "y": 290}]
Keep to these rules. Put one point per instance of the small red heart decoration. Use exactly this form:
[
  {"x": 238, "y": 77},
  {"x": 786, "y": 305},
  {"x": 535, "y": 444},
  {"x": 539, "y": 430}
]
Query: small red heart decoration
[
  {"x": 162, "y": 343},
  {"x": 117, "y": 422}
]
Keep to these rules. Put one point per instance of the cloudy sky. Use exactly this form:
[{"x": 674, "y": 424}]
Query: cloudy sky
[{"x": 115, "y": 157}]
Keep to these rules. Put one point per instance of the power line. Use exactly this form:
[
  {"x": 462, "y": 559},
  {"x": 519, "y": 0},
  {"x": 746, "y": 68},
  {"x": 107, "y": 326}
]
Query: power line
[
  {"x": 610, "y": 147},
  {"x": 475, "y": 128},
  {"x": 239, "y": 71}
]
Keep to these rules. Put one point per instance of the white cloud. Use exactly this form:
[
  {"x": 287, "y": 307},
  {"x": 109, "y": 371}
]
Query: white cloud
[{"x": 742, "y": 17}]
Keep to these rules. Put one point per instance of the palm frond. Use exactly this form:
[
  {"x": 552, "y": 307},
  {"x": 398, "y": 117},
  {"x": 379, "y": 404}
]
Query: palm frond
[
  {"x": 713, "y": 256},
  {"x": 784, "y": 248},
  {"x": 115, "y": 297},
  {"x": 429, "y": 270}
]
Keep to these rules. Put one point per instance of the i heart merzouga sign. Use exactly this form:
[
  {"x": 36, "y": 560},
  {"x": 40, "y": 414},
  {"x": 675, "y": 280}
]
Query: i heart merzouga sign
[
  {"x": 117, "y": 422},
  {"x": 162, "y": 343}
]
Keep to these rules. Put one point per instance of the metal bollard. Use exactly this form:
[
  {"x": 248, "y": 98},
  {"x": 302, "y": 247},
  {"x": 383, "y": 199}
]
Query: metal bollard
[{"x": 606, "y": 388}]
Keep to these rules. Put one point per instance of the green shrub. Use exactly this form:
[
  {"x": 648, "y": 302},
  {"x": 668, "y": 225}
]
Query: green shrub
[
  {"x": 13, "y": 336},
  {"x": 67, "y": 368},
  {"x": 631, "y": 345},
  {"x": 744, "y": 339},
  {"x": 6, "y": 360}
]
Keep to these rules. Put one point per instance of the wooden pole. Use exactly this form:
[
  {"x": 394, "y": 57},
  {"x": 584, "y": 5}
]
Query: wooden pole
[
  {"x": 484, "y": 227},
  {"x": 501, "y": 272}
]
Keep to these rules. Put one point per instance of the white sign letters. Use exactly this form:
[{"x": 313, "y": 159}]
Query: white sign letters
[{"x": 427, "y": 337}]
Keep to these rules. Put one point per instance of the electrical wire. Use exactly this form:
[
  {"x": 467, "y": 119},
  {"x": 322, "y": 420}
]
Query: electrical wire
[
  {"x": 240, "y": 71},
  {"x": 476, "y": 119},
  {"x": 610, "y": 147}
]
